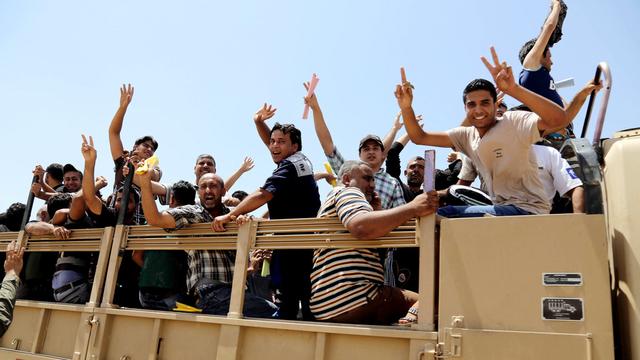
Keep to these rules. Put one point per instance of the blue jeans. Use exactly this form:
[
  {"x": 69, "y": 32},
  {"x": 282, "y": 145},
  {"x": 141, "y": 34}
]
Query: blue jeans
[
  {"x": 452, "y": 211},
  {"x": 156, "y": 301},
  {"x": 214, "y": 298}
]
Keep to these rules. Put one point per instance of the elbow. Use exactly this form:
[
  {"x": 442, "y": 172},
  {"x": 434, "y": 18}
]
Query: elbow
[{"x": 361, "y": 231}]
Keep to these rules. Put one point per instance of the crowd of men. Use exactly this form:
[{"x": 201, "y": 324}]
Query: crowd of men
[{"x": 493, "y": 143}]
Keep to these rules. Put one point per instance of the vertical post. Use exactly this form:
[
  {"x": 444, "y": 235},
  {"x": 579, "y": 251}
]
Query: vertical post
[
  {"x": 425, "y": 235},
  {"x": 101, "y": 266},
  {"x": 29, "y": 207},
  {"x": 115, "y": 258},
  {"x": 246, "y": 239}
]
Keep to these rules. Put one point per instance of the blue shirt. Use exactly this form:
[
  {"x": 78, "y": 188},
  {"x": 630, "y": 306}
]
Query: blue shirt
[
  {"x": 295, "y": 192},
  {"x": 541, "y": 83}
]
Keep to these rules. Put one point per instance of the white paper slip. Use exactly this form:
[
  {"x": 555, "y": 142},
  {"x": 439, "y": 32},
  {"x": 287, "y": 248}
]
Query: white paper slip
[{"x": 429, "y": 170}]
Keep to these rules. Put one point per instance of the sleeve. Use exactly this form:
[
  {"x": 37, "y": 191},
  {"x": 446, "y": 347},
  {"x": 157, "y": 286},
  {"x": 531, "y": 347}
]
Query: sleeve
[
  {"x": 459, "y": 138},
  {"x": 183, "y": 216},
  {"x": 164, "y": 199},
  {"x": 468, "y": 171},
  {"x": 280, "y": 178},
  {"x": 349, "y": 203},
  {"x": 525, "y": 125},
  {"x": 397, "y": 198},
  {"x": 7, "y": 301},
  {"x": 335, "y": 160},
  {"x": 564, "y": 178},
  {"x": 392, "y": 163}
]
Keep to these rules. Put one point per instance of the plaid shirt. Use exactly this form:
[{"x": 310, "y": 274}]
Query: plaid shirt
[
  {"x": 203, "y": 264},
  {"x": 387, "y": 187}
]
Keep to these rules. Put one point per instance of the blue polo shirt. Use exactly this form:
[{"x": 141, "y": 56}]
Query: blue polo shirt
[{"x": 295, "y": 192}]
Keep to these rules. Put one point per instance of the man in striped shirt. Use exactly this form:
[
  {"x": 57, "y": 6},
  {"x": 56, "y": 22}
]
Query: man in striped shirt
[{"x": 347, "y": 285}]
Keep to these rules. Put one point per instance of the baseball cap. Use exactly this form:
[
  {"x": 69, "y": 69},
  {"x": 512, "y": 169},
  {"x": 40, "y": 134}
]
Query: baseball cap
[{"x": 371, "y": 137}]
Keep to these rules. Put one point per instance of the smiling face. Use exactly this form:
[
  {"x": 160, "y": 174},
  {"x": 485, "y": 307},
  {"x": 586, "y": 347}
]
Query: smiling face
[
  {"x": 281, "y": 146},
  {"x": 211, "y": 190},
  {"x": 481, "y": 110},
  {"x": 204, "y": 165},
  {"x": 72, "y": 181}
]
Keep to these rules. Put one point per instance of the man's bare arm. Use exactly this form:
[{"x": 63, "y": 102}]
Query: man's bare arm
[
  {"x": 115, "y": 141},
  {"x": 534, "y": 57},
  {"x": 149, "y": 207},
  {"x": 91, "y": 200},
  {"x": 247, "y": 165},
  {"x": 250, "y": 203},
  {"x": 375, "y": 224},
  {"x": 322, "y": 131},
  {"x": 577, "y": 199},
  {"x": 259, "y": 118}
]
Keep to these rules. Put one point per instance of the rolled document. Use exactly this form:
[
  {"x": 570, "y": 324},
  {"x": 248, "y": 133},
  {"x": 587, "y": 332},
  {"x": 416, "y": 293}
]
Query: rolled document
[
  {"x": 327, "y": 167},
  {"x": 312, "y": 87}
]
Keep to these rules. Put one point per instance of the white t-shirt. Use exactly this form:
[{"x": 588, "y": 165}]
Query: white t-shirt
[
  {"x": 504, "y": 160},
  {"x": 555, "y": 172}
]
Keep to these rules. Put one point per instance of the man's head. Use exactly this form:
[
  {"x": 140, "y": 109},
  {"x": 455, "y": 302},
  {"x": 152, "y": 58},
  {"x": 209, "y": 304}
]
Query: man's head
[
  {"x": 13, "y": 216},
  {"x": 145, "y": 147},
  {"x": 57, "y": 202},
  {"x": 134, "y": 198},
  {"x": 356, "y": 173},
  {"x": 480, "y": 98},
  {"x": 239, "y": 194},
  {"x": 54, "y": 175},
  {"x": 72, "y": 178},
  {"x": 183, "y": 193},
  {"x": 502, "y": 108},
  {"x": 205, "y": 164},
  {"x": 371, "y": 151},
  {"x": 285, "y": 141},
  {"x": 415, "y": 171},
  {"x": 211, "y": 190},
  {"x": 546, "y": 54}
]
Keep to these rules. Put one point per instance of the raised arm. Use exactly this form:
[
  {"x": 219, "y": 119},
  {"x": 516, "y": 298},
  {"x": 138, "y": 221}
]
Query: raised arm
[
  {"x": 149, "y": 207},
  {"x": 322, "y": 131},
  {"x": 578, "y": 100},
  {"x": 404, "y": 95},
  {"x": 393, "y": 132},
  {"x": 263, "y": 114},
  {"x": 551, "y": 115},
  {"x": 91, "y": 200},
  {"x": 534, "y": 57},
  {"x": 247, "y": 165},
  {"x": 115, "y": 142}
]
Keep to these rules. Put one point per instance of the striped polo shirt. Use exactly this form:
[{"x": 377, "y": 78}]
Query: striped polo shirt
[{"x": 342, "y": 279}]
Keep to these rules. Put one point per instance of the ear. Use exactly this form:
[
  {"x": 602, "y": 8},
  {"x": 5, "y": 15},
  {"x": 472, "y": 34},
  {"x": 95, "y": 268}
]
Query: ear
[{"x": 346, "y": 179}]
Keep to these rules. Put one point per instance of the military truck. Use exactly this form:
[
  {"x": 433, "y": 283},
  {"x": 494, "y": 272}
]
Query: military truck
[{"x": 528, "y": 287}]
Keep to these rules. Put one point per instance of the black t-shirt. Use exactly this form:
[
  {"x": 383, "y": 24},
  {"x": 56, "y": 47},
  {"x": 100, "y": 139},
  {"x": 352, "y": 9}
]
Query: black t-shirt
[
  {"x": 108, "y": 216},
  {"x": 295, "y": 192}
]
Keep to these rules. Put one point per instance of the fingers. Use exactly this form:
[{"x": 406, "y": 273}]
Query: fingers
[
  {"x": 306, "y": 85},
  {"x": 494, "y": 55},
  {"x": 84, "y": 140},
  {"x": 91, "y": 140},
  {"x": 398, "y": 91},
  {"x": 487, "y": 64}
]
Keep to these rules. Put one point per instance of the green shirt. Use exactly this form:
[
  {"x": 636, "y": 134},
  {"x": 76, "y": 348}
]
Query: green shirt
[{"x": 163, "y": 269}]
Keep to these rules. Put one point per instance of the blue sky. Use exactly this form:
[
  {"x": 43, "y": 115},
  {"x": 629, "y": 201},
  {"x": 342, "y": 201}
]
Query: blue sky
[{"x": 202, "y": 68}]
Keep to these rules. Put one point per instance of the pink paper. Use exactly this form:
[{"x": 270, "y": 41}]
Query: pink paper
[{"x": 312, "y": 87}]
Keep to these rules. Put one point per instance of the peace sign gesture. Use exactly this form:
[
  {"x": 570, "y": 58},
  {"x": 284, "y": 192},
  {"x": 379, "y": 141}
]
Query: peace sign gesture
[
  {"x": 88, "y": 151},
  {"x": 502, "y": 73}
]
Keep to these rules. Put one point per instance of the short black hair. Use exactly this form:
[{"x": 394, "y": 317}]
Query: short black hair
[
  {"x": 239, "y": 194},
  {"x": 14, "y": 215},
  {"x": 57, "y": 202},
  {"x": 146, "y": 138},
  {"x": 294, "y": 133},
  {"x": 526, "y": 48},
  {"x": 503, "y": 105},
  {"x": 184, "y": 193},
  {"x": 480, "y": 84},
  {"x": 55, "y": 171}
]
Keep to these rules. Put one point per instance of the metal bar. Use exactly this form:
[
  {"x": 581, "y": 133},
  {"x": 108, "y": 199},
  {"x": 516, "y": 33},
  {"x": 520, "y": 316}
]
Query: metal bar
[
  {"x": 29, "y": 207},
  {"x": 603, "y": 68}
]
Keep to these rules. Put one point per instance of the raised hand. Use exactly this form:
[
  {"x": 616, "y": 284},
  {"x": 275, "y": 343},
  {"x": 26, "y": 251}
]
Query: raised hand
[
  {"x": 502, "y": 73},
  {"x": 312, "y": 100},
  {"x": 398, "y": 123},
  {"x": 266, "y": 112},
  {"x": 126, "y": 94},
  {"x": 88, "y": 150},
  {"x": 13, "y": 261},
  {"x": 404, "y": 91},
  {"x": 101, "y": 182},
  {"x": 247, "y": 164},
  {"x": 39, "y": 172}
]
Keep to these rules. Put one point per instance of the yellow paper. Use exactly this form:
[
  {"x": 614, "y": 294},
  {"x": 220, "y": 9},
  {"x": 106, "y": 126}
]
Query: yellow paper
[
  {"x": 149, "y": 164},
  {"x": 186, "y": 308}
]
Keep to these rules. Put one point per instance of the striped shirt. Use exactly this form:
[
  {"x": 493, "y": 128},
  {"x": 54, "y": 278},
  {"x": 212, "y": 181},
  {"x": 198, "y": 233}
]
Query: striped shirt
[
  {"x": 387, "y": 187},
  {"x": 342, "y": 279}
]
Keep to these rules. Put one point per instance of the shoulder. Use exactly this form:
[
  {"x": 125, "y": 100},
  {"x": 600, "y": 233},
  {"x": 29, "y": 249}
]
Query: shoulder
[{"x": 299, "y": 163}]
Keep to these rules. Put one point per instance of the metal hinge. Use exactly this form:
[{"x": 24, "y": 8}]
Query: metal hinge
[{"x": 452, "y": 345}]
